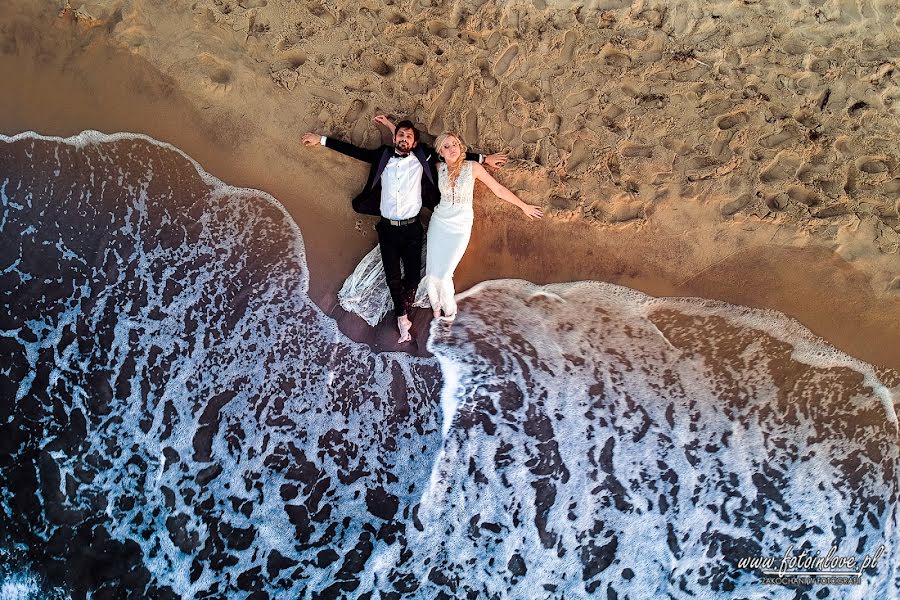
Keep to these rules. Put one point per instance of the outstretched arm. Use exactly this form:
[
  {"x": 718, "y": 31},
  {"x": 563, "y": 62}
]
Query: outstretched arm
[
  {"x": 531, "y": 211},
  {"x": 386, "y": 123},
  {"x": 495, "y": 161},
  {"x": 363, "y": 154}
]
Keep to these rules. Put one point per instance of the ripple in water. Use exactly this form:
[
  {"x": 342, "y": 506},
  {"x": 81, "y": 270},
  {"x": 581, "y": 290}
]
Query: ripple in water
[{"x": 179, "y": 420}]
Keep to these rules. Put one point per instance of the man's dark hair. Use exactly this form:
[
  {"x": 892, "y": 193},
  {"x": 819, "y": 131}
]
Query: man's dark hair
[{"x": 407, "y": 124}]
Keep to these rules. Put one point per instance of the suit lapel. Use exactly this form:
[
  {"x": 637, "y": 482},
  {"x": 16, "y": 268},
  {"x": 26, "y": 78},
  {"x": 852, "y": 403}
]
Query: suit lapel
[
  {"x": 382, "y": 163},
  {"x": 420, "y": 154}
]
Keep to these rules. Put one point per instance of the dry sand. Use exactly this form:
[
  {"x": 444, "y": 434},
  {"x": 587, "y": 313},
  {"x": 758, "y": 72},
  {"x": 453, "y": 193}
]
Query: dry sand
[{"x": 742, "y": 151}]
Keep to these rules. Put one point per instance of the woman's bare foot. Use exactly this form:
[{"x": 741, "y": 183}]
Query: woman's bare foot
[
  {"x": 404, "y": 324},
  {"x": 437, "y": 314}
]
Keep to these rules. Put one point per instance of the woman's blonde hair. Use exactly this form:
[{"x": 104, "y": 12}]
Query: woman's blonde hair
[{"x": 454, "y": 169}]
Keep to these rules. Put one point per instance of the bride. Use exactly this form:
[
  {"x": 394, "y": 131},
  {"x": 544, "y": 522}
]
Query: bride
[
  {"x": 365, "y": 293},
  {"x": 451, "y": 223}
]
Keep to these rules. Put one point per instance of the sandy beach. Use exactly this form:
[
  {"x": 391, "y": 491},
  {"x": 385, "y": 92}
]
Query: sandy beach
[
  {"x": 182, "y": 418},
  {"x": 678, "y": 154}
]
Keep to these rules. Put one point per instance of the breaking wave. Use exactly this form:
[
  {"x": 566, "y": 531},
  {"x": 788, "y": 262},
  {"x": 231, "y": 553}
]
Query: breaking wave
[{"x": 179, "y": 420}]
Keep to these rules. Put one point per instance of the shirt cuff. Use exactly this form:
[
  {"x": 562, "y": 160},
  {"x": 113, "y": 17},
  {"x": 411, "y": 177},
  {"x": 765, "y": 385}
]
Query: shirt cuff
[
  {"x": 322, "y": 140},
  {"x": 481, "y": 158}
]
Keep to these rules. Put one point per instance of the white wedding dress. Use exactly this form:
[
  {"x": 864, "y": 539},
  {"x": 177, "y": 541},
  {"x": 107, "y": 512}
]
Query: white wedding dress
[{"x": 366, "y": 293}]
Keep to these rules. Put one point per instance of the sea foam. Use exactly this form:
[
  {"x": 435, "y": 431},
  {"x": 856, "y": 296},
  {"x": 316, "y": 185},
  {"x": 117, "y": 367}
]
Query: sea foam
[{"x": 179, "y": 406}]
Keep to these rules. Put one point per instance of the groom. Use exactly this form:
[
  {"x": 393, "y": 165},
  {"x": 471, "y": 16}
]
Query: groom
[{"x": 402, "y": 180}]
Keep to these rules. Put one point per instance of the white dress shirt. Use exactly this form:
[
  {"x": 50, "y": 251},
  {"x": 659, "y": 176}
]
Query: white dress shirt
[{"x": 401, "y": 188}]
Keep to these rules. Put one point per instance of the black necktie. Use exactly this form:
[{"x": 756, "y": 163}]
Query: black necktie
[{"x": 398, "y": 155}]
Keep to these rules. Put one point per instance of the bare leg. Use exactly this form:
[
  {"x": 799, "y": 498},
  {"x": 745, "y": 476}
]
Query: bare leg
[{"x": 404, "y": 324}]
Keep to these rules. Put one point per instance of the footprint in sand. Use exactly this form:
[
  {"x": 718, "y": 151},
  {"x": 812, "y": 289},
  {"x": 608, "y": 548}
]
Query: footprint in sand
[
  {"x": 803, "y": 195},
  {"x": 732, "y": 206},
  {"x": 716, "y": 104},
  {"x": 578, "y": 98},
  {"x": 783, "y": 166},
  {"x": 509, "y": 132},
  {"x": 505, "y": 60},
  {"x": 835, "y": 210},
  {"x": 439, "y": 29},
  {"x": 218, "y": 72},
  {"x": 610, "y": 116},
  {"x": 777, "y": 201},
  {"x": 436, "y": 121},
  {"x": 533, "y": 135},
  {"x": 581, "y": 156},
  {"x": 872, "y": 164},
  {"x": 359, "y": 123},
  {"x": 221, "y": 76},
  {"x": 563, "y": 203},
  {"x": 856, "y": 107},
  {"x": 318, "y": 9},
  {"x": 850, "y": 178},
  {"x": 815, "y": 168},
  {"x": 731, "y": 120},
  {"x": 484, "y": 69},
  {"x": 890, "y": 98},
  {"x": 528, "y": 92},
  {"x": 626, "y": 211},
  {"x": 394, "y": 18},
  {"x": 720, "y": 149},
  {"x": 614, "y": 56},
  {"x": 615, "y": 170},
  {"x": 328, "y": 95},
  {"x": 633, "y": 150},
  {"x": 291, "y": 59},
  {"x": 695, "y": 73},
  {"x": 413, "y": 54},
  {"x": 780, "y": 138},
  {"x": 892, "y": 187},
  {"x": 470, "y": 126},
  {"x": 555, "y": 124},
  {"x": 379, "y": 66},
  {"x": 568, "y": 47},
  {"x": 652, "y": 49}
]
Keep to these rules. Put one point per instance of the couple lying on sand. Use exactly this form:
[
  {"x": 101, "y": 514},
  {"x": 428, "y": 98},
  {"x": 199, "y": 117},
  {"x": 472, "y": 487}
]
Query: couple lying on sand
[{"x": 402, "y": 180}]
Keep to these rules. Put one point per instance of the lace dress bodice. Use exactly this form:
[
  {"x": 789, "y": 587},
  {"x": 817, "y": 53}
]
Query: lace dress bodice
[{"x": 461, "y": 193}]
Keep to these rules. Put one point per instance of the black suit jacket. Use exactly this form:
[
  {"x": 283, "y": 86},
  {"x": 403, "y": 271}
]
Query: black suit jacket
[{"x": 368, "y": 202}]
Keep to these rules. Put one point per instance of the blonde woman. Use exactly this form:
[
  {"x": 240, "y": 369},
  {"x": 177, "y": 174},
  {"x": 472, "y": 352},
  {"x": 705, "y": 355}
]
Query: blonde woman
[{"x": 451, "y": 222}]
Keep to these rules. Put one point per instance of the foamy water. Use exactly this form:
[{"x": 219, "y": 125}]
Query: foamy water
[{"x": 177, "y": 404}]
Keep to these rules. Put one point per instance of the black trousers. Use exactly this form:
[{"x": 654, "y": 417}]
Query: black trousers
[{"x": 401, "y": 244}]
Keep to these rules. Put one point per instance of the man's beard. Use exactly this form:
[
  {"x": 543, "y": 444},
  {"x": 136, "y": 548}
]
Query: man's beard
[{"x": 403, "y": 146}]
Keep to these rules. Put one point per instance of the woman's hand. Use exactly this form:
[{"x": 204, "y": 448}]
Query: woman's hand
[
  {"x": 385, "y": 122},
  {"x": 532, "y": 212},
  {"x": 481, "y": 174}
]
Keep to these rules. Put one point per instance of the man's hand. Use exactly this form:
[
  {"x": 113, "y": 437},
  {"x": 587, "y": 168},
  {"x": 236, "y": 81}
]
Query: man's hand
[
  {"x": 311, "y": 139},
  {"x": 384, "y": 122},
  {"x": 496, "y": 160}
]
